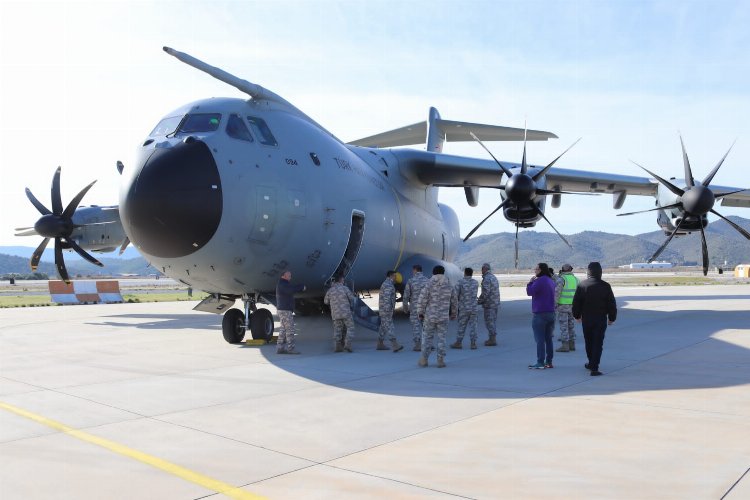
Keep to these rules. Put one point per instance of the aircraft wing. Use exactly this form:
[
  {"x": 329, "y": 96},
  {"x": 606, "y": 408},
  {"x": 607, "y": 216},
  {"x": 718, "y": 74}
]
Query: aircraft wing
[
  {"x": 453, "y": 131},
  {"x": 741, "y": 199},
  {"x": 439, "y": 169}
]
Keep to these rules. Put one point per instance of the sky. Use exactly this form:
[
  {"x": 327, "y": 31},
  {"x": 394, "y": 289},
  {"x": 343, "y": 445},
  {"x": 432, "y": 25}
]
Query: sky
[{"x": 83, "y": 83}]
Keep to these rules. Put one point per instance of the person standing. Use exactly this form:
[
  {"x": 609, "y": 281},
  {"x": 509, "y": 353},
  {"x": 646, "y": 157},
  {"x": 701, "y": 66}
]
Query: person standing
[
  {"x": 490, "y": 300},
  {"x": 594, "y": 306},
  {"x": 411, "y": 294},
  {"x": 466, "y": 294},
  {"x": 437, "y": 304},
  {"x": 541, "y": 288},
  {"x": 340, "y": 298},
  {"x": 565, "y": 288},
  {"x": 285, "y": 307},
  {"x": 386, "y": 304}
]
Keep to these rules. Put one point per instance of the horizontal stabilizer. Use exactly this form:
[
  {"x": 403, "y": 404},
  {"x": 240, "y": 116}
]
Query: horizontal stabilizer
[{"x": 453, "y": 131}]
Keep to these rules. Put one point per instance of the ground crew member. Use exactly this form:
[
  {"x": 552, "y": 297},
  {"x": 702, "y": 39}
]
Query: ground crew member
[
  {"x": 595, "y": 307},
  {"x": 386, "y": 304},
  {"x": 466, "y": 294},
  {"x": 285, "y": 307},
  {"x": 437, "y": 304},
  {"x": 565, "y": 288},
  {"x": 340, "y": 298},
  {"x": 411, "y": 295},
  {"x": 490, "y": 300}
]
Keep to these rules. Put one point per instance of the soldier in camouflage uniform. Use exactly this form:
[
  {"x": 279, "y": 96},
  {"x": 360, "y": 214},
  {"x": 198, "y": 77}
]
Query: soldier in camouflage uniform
[
  {"x": 437, "y": 304},
  {"x": 490, "y": 300},
  {"x": 386, "y": 304},
  {"x": 466, "y": 294},
  {"x": 285, "y": 307},
  {"x": 565, "y": 290},
  {"x": 340, "y": 298},
  {"x": 411, "y": 294}
]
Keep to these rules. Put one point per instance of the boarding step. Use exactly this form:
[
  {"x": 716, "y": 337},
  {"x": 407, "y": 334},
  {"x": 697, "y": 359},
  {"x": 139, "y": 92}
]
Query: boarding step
[{"x": 364, "y": 316}]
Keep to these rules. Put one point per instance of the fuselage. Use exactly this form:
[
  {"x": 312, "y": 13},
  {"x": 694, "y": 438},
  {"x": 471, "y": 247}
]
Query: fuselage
[{"x": 227, "y": 193}]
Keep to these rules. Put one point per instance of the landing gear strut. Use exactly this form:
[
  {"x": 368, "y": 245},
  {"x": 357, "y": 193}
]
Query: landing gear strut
[{"x": 234, "y": 324}]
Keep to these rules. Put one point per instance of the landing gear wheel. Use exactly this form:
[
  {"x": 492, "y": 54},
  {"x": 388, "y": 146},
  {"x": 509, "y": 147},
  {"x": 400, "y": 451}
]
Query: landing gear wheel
[
  {"x": 261, "y": 324},
  {"x": 233, "y": 326}
]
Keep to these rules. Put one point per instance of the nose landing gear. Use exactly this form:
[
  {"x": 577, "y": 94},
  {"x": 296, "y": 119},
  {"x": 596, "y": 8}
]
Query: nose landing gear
[{"x": 234, "y": 324}]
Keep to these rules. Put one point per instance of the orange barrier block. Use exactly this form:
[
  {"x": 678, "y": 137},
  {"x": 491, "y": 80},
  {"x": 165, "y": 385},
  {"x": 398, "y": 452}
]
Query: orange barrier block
[{"x": 85, "y": 292}]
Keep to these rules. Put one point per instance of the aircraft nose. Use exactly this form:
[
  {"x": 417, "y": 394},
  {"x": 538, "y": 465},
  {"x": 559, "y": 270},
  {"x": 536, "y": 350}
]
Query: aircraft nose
[{"x": 173, "y": 205}]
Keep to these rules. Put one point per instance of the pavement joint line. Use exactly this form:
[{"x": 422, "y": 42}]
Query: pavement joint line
[
  {"x": 158, "y": 463},
  {"x": 735, "y": 484}
]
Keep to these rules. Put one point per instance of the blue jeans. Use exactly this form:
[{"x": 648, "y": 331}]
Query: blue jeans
[{"x": 543, "y": 325}]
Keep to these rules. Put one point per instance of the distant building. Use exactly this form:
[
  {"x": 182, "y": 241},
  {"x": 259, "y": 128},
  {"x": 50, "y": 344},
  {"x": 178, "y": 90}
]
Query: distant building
[
  {"x": 648, "y": 265},
  {"x": 742, "y": 271}
]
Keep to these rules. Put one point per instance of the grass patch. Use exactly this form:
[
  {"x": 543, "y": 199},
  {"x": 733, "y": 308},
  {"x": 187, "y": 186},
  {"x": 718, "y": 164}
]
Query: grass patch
[{"x": 25, "y": 301}]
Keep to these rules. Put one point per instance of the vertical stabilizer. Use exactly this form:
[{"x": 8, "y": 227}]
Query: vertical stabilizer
[{"x": 435, "y": 134}]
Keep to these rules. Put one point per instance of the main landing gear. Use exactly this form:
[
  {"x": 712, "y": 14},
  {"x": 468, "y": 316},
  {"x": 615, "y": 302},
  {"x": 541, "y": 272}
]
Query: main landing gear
[{"x": 234, "y": 323}]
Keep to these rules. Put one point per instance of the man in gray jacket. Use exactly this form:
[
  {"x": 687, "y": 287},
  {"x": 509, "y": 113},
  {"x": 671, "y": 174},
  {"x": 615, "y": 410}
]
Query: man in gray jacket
[
  {"x": 340, "y": 299},
  {"x": 437, "y": 304}
]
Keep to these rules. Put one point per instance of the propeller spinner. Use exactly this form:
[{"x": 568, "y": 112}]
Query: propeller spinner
[
  {"x": 695, "y": 201},
  {"x": 58, "y": 224}
]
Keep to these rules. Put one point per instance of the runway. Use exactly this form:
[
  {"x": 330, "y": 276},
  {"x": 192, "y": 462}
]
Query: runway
[{"x": 148, "y": 401}]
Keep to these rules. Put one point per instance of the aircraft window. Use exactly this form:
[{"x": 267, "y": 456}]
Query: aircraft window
[
  {"x": 258, "y": 125},
  {"x": 166, "y": 126},
  {"x": 237, "y": 129},
  {"x": 200, "y": 122}
]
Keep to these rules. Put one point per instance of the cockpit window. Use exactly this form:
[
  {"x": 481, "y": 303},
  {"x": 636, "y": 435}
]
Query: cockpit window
[
  {"x": 166, "y": 126},
  {"x": 200, "y": 122},
  {"x": 237, "y": 129},
  {"x": 261, "y": 130}
]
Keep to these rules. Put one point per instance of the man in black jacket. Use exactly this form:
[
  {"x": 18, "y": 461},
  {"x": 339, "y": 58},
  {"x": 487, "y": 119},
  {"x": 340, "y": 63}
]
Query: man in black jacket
[
  {"x": 594, "y": 307},
  {"x": 285, "y": 307}
]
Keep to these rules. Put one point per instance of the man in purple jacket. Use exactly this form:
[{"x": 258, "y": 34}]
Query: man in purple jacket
[{"x": 541, "y": 288}]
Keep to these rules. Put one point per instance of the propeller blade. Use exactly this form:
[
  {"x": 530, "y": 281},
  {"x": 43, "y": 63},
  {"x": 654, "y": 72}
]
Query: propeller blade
[
  {"x": 524, "y": 167},
  {"x": 42, "y": 209},
  {"x": 57, "y": 207},
  {"x": 688, "y": 172},
  {"x": 544, "y": 170},
  {"x": 722, "y": 195},
  {"x": 124, "y": 245},
  {"x": 710, "y": 176},
  {"x": 667, "y": 184},
  {"x": 80, "y": 251},
  {"x": 664, "y": 245},
  {"x": 485, "y": 219},
  {"x": 504, "y": 169},
  {"x": 704, "y": 249},
  {"x": 673, "y": 205},
  {"x": 37, "y": 255},
  {"x": 546, "y": 192},
  {"x": 71, "y": 208},
  {"x": 27, "y": 232},
  {"x": 517, "y": 222},
  {"x": 738, "y": 228},
  {"x": 60, "y": 263},
  {"x": 536, "y": 208}
]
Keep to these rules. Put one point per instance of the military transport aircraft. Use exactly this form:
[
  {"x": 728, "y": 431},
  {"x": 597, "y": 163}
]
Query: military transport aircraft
[{"x": 227, "y": 193}]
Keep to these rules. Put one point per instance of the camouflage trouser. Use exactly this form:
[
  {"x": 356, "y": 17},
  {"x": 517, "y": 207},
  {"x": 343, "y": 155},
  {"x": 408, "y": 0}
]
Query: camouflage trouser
[
  {"x": 490, "y": 320},
  {"x": 341, "y": 325},
  {"x": 430, "y": 329},
  {"x": 567, "y": 322},
  {"x": 470, "y": 320},
  {"x": 386, "y": 327},
  {"x": 416, "y": 328},
  {"x": 286, "y": 332}
]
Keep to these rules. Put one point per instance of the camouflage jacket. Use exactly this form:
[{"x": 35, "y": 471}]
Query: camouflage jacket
[
  {"x": 438, "y": 299},
  {"x": 466, "y": 293},
  {"x": 387, "y": 298},
  {"x": 490, "y": 296},
  {"x": 412, "y": 290},
  {"x": 340, "y": 298}
]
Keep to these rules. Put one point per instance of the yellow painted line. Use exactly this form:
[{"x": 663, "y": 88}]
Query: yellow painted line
[{"x": 181, "y": 472}]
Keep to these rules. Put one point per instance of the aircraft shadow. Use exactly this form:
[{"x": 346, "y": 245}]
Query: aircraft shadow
[{"x": 167, "y": 322}]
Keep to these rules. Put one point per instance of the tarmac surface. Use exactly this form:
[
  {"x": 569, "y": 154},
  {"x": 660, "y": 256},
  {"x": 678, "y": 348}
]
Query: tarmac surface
[{"x": 148, "y": 401}]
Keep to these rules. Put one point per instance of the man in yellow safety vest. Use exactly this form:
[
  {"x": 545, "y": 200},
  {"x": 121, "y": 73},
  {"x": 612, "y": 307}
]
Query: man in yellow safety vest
[{"x": 565, "y": 288}]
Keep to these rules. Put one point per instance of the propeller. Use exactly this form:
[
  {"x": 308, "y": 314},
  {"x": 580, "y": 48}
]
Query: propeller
[
  {"x": 58, "y": 224},
  {"x": 521, "y": 190},
  {"x": 694, "y": 201}
]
